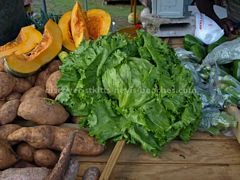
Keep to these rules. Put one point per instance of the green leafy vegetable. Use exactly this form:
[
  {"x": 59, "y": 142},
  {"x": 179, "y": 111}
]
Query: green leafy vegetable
[{"x": 134, "y": 90}]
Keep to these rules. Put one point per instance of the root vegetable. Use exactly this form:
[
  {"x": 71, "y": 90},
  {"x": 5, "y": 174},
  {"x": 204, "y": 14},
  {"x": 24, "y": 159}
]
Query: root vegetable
[
  {"x": 44, "y": 75},
  {"x": 21, "y": 85},
  {"x": 51, "y": 85},
  {"x": 42, "y": 79},
  {"x": 7, "y": 129},
  {"x": 7, "y": 84},
  {"x": 32, "y": 79},
  {"x": 13, "y": 96},
  {"x": 54, "y": 66},
  {"x": 92, "y": 173},
  {"x": 34, "y": 92},
  {"x": 31, "y": 173},
  {"x": 73, "y": 169},
  {"x": 23, "y": 164},
  {"x": 2, "y": 102},
  {"x": 52, "y": 137},
  {"x": 7, "y": 156},
  {"x": 43, "y": 111},
  {"x": 61, "y": 166},
  {"x": 45, "y": 158},
  {"x": 8, "y": 111},
  {"x": 25, "y": 152}
]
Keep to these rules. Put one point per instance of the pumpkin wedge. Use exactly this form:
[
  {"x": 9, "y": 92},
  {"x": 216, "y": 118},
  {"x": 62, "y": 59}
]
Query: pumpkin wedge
[
  {"x": 44, "y": 52},
  {"x": 26, "y": 40},
  {"x": 99, "y": 23},
  {"x": 78, "y": 25},
  {"x": 65, "y": 26}
]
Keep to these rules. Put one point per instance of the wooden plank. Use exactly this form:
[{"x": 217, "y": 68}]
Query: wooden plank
[
  {"x": 209, "y": 137},
  {"x": 169, "y": 171},
  {"x": 107, "y": 171},
  {"x": 195, "y": 152}
]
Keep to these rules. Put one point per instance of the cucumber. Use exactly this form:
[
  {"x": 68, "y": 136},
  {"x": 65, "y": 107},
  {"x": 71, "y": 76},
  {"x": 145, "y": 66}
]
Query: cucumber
[
  {"x": 217, "y": 43},
  {"x": 236, "y": 69},
  {"x": 199, "y": 51},
  {"x": 190, "y": 40}
]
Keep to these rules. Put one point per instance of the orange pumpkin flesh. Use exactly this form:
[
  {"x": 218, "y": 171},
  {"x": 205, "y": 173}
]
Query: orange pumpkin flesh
[
  {"x": 99, "y": 23},
  {"x": 78, "y": 25},
  {"x": 43, "y": 53},
  {"x": 27, "y": 39},
  {"x": 65, "y": 26}
]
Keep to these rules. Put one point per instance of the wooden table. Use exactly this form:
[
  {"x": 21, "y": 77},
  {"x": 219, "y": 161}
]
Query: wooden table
[{"x": 204, "y": 157}]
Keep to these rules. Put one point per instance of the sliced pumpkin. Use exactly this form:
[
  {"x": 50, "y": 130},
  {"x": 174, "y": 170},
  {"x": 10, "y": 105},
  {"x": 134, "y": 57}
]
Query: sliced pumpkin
[
  {"x": 44, "y": 52},
  {"x": 26, "y": 40},
  {"x": 99, "y": 23},
  {"x": 65, "y": 26},
  {"x": 78, "y": 25}
]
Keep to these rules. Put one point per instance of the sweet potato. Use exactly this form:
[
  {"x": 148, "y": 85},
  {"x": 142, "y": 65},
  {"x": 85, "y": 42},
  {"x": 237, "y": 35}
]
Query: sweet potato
[
  {"x": 23, "y": 164},
  {"x": 51, "y": 85},
  {"x": 44, "y": 75},
  {"x": 7, "y": 129},
  {"x": 34, "y": 92},
  {"x": 25, "y": 152},
  {"x": 8, "y": 111},
  {"x": 54, "y": 65},
  {"x": 13, "y": 96},
  {"x": 45, "y": 158},
  {"x": 7, "y": 84},
  {"x": 7, "y": 156},
  {"x": 32, "y": 79},
  {"x": 43, "y": 111},
  {"x": 21, "y": 85},
  {"x": 55, "y": 138},
  {"x": 1, "y": 65},
  {"x": 2, "y": 102},
  {"x": 29, "y": 173}
]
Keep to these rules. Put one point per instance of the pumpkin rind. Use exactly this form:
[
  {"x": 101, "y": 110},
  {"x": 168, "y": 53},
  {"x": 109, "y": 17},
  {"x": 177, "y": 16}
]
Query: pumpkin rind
[
  {"x": 99, "y": 23},
  {"x": 78, "y": 25},
  {"x": 27, "y": 39},
  {"x": 65, "y": 26},
  {"x": 43, "y": 53}
]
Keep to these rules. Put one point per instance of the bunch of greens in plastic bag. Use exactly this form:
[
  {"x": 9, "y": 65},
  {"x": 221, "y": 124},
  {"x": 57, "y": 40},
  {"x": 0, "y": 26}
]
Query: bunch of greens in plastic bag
[{"x": 135, "y": 90}]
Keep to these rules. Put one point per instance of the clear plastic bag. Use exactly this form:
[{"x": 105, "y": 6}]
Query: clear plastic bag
[{"x": 224, "y": 53}]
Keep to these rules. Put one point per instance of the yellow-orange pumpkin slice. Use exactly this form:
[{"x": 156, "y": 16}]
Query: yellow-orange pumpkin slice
[
  {"x": 78, "y": 25},
  {"x": 44, "y": 52},
  {"x": 99, "y": 23},
  {"x": 65, "y": 26},
  {"x": 26, "y": 40}
]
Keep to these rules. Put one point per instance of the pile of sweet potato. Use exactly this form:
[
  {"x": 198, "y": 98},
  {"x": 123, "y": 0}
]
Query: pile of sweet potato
[{"x": 34, "y": 128}]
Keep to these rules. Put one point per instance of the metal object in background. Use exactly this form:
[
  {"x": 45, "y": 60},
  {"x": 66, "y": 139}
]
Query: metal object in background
[
  {"x": 171, "y": 8},
  {"x": 85, "y": 3},
  {"x": 44, "y": 6}
]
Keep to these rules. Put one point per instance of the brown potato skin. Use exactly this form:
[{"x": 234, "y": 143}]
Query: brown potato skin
[
  {"x": 7, "y": 129},
  {"x": 7, "y": 156},
  {"x": 8, "y": 111},
  {"x": 7, "y": 84},
  {"x": 44, "y": 75},
  {"x": 55, "y": 138},
  {"x": 51, "y": 85},
  {"x": 25, "y": 152},
  {"x": 43, "y": 111},
  {"x": 45, "y": 158},
  {"x": 21, "y": 85},
  {"x": 13, "y": 96},
  {"x": 2, "y": 102},
  {"x": 34, "y": 92}
]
